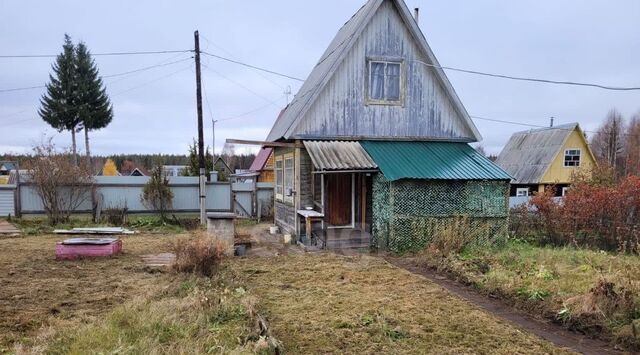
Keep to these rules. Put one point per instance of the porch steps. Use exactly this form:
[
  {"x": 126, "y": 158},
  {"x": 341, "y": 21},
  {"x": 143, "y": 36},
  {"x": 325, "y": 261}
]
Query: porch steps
[{"x": 348, "y": 241}]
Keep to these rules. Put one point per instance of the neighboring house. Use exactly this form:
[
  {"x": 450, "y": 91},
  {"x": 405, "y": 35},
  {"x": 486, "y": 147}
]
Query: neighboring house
[
  {"x": 6, "y": 169},
  {"x": 174, "y": 170},
  {"x": 545, "y": 157},
  {"x": 263, "y": 165},
  {"x": 137, "y": 172},
  {"x": 223, "y": 168},
  {"x": 374, "y": 147}
]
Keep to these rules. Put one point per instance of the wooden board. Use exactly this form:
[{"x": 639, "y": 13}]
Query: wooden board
[
  {"x": 338, "y": 199},
  {"x": 8, "y": 229}
]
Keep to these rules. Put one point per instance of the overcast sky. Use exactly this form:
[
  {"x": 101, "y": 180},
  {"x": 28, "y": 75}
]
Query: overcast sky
[{"x": 578, "y": 40}]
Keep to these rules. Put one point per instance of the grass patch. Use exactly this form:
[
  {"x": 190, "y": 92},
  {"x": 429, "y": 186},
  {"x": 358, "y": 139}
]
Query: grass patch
[
  {"x": 335, "y": 304},
  {"x": 210, "y": 316},
  {"x": 595, "y": 292},
  {"x": 33, "y": 225}
]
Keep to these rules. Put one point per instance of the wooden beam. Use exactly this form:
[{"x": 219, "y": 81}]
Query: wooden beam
[{"x": 264, "y": 143}]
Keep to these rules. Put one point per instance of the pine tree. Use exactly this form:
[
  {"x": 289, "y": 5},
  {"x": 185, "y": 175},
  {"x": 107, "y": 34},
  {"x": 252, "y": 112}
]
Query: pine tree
[
  {"x": 94, "y": 108},
  {"x": 58, "y": 105},
  {"x": 193, "y": 163}
]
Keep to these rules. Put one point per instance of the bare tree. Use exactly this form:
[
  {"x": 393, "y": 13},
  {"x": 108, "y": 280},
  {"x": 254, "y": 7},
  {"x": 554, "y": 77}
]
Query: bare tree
[
  {"x": 62, "y": 185},
  {"x": 632, "y": 146},
  {"x": 608, "y": 141}
]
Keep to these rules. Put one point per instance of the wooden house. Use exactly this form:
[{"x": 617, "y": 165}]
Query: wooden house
[
  {"x": 540, "y": 158},
  {"x": 373, "y": 150},
  {"x": 263, "y": 165}
]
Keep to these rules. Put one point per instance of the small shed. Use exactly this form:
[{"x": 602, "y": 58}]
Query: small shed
[{"x": 263, "y": 165}]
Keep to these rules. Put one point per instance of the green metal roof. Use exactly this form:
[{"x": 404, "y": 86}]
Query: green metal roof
[{"x": 432, "y": 160}]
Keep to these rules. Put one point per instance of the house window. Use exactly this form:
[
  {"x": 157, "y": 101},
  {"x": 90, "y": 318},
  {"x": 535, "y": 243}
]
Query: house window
[
  {"x": 572, "y": 157},
  {"x": 384, "y": 82},
  {"x": 279, "y": 179},
  {"x": 522, "y": 191},
  {"x": 288, "y": 178}
]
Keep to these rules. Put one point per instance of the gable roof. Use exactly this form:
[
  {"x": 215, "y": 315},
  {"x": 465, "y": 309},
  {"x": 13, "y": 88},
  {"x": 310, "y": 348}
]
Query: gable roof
[
  {"x": 528, "y": 154},
  {"x": 333, "y": 56},
  {"x": 261, "y": 159},
  {"x": 224, "y": 166}
]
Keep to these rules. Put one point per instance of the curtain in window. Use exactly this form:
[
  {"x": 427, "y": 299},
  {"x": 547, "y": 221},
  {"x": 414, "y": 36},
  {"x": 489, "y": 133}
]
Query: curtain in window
[
  {"x": 279, "y": 178},
  {"x": 288, "y": 177},
  {"x": 376, "y": 81},
  {"x": 393, "y": 82}
]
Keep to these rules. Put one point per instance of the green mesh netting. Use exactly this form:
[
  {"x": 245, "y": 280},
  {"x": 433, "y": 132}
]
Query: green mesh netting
[{"x": 409, "y": 214}]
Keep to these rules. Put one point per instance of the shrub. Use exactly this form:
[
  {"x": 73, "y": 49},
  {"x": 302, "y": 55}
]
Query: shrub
[
  {"x": 594, "y": 214},
  {"x": 61, "y": 185},
  {"x": 199, "y": 254},
  {"x": 116, "y": 216},
  {"x": 157, "y": 194}
]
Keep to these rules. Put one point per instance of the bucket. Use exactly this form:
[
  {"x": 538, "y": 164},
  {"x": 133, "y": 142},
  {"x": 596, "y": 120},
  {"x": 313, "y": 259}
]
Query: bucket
[
  {"x": 273, "y": 229},
  {"x": 286, "y": 238}
]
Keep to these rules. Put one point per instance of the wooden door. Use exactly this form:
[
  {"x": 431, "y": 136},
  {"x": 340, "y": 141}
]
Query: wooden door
[{"x": 339, "y": 199}]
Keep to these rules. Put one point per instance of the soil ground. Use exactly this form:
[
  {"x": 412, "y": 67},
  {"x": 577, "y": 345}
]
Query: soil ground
[
  {"x": 34, "y": 286},
  {"x": 314, "y": 303}
]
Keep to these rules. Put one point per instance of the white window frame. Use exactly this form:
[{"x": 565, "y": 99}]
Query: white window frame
[
  {"x": 565, "y": 190},
  {"x": 566, "y": 153},
  {"x": 401, "y": 90},
  {"x": 279, "y": 181},
  {"x": 288, "y": 186},
  {"x": 520, "y": 190}
]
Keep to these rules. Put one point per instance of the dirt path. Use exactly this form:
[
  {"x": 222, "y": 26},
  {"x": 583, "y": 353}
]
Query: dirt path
[{"x": 548, "y": 331}]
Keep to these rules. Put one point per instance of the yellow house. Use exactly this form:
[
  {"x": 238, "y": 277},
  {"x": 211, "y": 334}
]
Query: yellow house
[{"x": 545, "y": 157}]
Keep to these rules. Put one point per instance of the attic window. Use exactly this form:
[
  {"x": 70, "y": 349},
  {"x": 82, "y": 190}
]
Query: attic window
[
  {"x": 572, "y": 157},
  {"x": 384, "y": 82}
]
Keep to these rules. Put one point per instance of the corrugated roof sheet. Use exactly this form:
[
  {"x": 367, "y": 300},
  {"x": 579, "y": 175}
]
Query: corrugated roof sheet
[
  {"x": 339, "y": 155},
  {"x": 528, "y": 154},
  {"x": 332, "y": 57},
  {"x": 432, "y": 160},
  {"x": 260, "y": 159}
]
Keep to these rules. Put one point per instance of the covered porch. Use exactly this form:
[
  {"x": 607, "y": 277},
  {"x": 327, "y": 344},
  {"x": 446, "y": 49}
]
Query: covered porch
[{"x": 341, "y": 179}]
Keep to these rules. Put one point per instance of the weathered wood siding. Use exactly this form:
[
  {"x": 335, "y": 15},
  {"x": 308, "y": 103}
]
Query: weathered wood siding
[
  {"x": 285, "y": 212},
  {"x": 341, "y": 110}
]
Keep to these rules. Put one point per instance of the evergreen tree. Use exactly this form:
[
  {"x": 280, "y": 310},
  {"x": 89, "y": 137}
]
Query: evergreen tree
[
  {"x": 94, "y": 108},
  {"x": 58, "y": 105},
  {"x": 193, "y": 162}
]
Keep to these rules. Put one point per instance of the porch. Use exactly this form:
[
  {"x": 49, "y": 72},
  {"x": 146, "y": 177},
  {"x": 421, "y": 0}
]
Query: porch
[{"x": 340, "y": 214}]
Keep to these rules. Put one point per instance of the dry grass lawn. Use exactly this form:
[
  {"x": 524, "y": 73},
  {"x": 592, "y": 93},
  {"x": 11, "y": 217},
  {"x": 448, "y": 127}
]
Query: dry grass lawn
[
  {"x": 314, "y": 303},
  {"x": 35, "y": 288},
  {"x": 335, "y": 304}
]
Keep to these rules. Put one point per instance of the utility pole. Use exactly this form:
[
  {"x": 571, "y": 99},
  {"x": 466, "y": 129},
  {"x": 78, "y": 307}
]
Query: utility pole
[
  {"x": 203, "y": 206},
  {"x": 213, "y": 140}
]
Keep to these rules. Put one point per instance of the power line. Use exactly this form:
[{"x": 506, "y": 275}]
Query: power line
[
  {"x": 236, "y": 58},
  {"x": 23, "y": 88},
  {"x": 252, "y": 66},
  {"x": 97, "y": 54},
  {"x": 147, "y": 68},
  {"x": 536, "y": 125},
  {"x": 152, "y": 81},
  {"x": 537, "y": 80},
  {"x": 106, "y": 76},
  {"x": 237, "y": 83},
  {"x": 251, "y": 111}
]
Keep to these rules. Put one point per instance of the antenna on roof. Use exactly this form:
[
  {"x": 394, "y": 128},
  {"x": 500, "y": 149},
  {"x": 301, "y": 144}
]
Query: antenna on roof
[
  {"x": 287, "y": 92},
  {"x": 416, "y": 14},
  {"x": 551, "y": 122}
]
